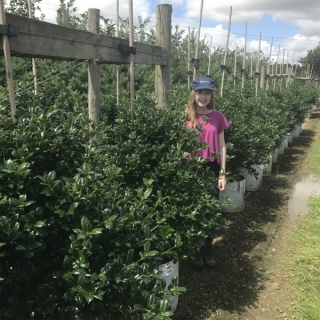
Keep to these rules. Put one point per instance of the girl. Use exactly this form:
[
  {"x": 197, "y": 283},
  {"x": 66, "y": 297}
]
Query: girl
[{"x": 201, "y": 103}]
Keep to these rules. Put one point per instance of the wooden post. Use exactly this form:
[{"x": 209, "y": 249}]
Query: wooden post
[
  {"x": 290, "y": 68},
  {"x": 287, "y": 71},
  {"x": 209, "y": 56},
  {"x": 163, "y": 39},
  {"x": 131, "y": 58},
  {"x": 188, "y": 67},
  {"x": 198, "y": 40},
  {"x": 7, "y": 58},
  {"x": 258, "y": 65},
  {"x": 295, "y": 69},
  {"x": 235, "y": 67},
  {"x": 268, "y": 71},
  {"x": 34, "y": 66},
  {"x": 263, "y": 77},
  {"x": 225, "y": 54},
  {"x": 118, "y": 67},
  {"x": 276, "y": 71},
  {"x": 94, "y": 71},
  {"x": 244, "y": 55},
  {"x": 251, "y": 70},
  {"x": 281, "y": 69}
]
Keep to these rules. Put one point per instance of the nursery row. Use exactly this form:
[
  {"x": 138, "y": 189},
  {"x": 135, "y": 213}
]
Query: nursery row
[
  {"x": 85, "y": 224},
  {"x": 233, "y": 197}
]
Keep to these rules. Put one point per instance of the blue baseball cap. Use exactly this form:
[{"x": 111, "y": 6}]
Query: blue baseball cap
[{"x": 203, "y": 83}]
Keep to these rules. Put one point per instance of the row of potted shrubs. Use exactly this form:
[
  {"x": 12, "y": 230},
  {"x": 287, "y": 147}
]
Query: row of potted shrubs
[{"x": 85, "y": 223}]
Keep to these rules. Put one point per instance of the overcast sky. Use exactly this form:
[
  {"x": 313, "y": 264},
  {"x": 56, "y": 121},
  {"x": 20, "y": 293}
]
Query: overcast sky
[{"x": 293, "y": 24}]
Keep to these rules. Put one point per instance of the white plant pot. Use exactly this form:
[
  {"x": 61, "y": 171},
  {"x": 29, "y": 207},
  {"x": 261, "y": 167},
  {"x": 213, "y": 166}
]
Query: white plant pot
[
  {"x": 268, "y": 167},
  {"x": 235, "y": 192},
  {"x": 285, "y": 143},
  {"x": 275, "y": 156},
  {"x": 296, "y": 131},
  {"x": 170, "y": 271},
  {"x": 253, "y": 183},
  {"x": 281, "y": 149}
]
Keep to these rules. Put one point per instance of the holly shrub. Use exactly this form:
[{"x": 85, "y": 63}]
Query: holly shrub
[{"x": 85, "y": 222}]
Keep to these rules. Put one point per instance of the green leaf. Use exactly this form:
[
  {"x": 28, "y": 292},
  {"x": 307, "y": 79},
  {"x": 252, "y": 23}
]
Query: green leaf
[
  {"x": 152, "y": 253},
  {"x": 96, "y": 231},
  {"x": 147, "y": 193},
  {"x": 3, "y": 201},
  {"x": 40, "y": 224},
  {"x": 99, "y": 295},
  {"x": 67, "y": 263},
  {"x": 89, "y": 297},
  {"x": 147, "y": 246},
  {"x": 72, "y": 207},
  {"x": 86, "y": 224},
  {"x": 52, "y": 176}
]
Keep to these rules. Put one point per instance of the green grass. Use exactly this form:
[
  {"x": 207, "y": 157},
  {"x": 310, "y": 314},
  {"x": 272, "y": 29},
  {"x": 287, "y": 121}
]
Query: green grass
[
  {"x": 314, "y": 158},
  {"x": 304, "y": 267}
]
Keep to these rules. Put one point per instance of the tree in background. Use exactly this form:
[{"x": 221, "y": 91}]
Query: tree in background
[
  {"x": 20, "y": 7},
  {"x": 67, "y": 16},
  {"x": 313, "y": 59}
]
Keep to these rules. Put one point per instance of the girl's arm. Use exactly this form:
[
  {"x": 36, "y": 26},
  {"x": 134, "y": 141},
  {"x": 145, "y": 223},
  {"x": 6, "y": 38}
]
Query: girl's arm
[{"x": 223, "y": 154}]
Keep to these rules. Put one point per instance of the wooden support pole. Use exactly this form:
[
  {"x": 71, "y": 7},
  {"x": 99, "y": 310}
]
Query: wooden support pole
[
  {"x": 251, "y": 67},
  {"x": 275, "y": 79},
  {"x": 163, "y": 39},
  {"x": 258, "y": 65},
  {"x": 281, "y": 68},
  {"x": 189, "y": 57},
  {"x": 262, "y": 77},
  {"x": 269, "y": 62},
  {"x": 235, "y": 67},
  {"x": 244, "y": 55},
  {"x": 131, "y": 44},
  {"x": 225, "y": 54},
  {"x": 94, "y": 71},
  {"x": 295, "y": 69},
  {"x": 118, "y": 67},
  {"x": 290, "y": 69},
  {"x": 209, "y": 56},
  {"x": 287, "y": 70},
  {"x": 34, "y": 65},
  {"x": 7, "y": 58},
  {"x": 198, "y": 39}
]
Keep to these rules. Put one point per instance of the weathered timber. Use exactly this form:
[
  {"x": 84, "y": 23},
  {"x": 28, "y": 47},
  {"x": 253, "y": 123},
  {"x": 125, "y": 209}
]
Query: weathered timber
[
  {"x": 163, "y": 38},
  {"x": 7, "y": 58},
  {"x": 39, "y": 39},
  {"x": 94, "y": 83}
]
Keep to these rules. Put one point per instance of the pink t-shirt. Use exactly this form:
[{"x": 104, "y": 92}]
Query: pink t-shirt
[{"x": 211, "y": 128}]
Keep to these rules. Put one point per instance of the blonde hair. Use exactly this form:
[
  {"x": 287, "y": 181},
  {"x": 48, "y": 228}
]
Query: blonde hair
[{"x": 191, "y": 108}]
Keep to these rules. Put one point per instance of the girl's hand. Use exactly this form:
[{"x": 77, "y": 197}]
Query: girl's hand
[{"x": 222, "y": 182}]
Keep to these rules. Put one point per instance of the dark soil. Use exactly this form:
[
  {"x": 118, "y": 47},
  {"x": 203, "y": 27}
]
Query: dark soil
[{"x": 248, "y": 281}]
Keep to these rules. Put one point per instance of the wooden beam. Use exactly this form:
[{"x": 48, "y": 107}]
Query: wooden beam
[
  {"x": 302, "y": 78},
  {"x": 45, "y": 40}
]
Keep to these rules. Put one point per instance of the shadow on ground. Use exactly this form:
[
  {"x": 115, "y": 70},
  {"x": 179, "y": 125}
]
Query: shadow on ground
[{"x": 239, "y": 275}]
